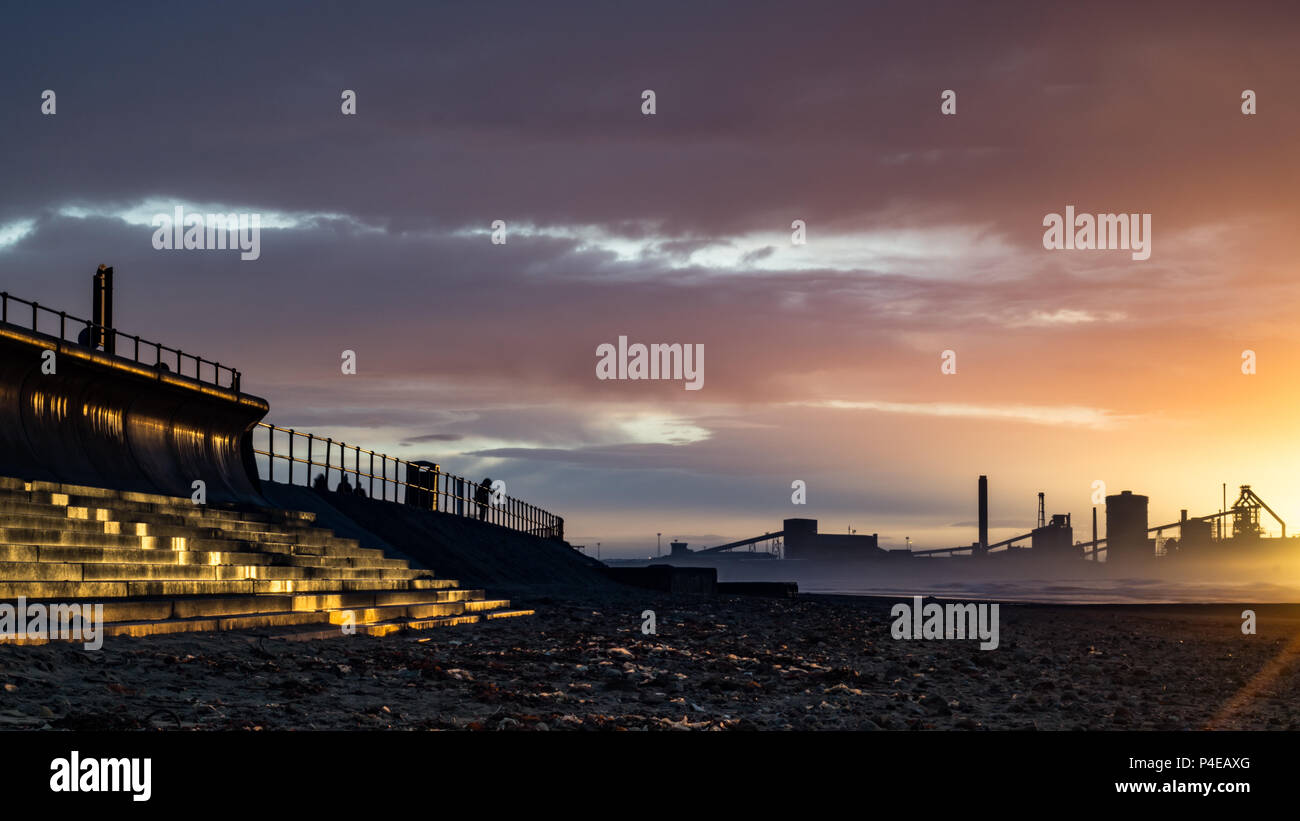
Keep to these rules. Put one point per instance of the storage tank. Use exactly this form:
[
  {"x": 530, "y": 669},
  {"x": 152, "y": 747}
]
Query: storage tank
[{"x": 1126, "y": 527}]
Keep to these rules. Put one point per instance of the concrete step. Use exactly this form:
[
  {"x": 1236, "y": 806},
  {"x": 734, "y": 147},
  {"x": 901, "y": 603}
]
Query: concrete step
[
  {"x": 375, "y": 615},
  {"x": 123, "y": 555},
  {"x": 314, "y": 573},
  {"x": 139, "y": 571},
  {"x": 364, "y": 599},
  {"x": 323, "y": 624},
  {"x": 12, "y": 507},
  {"x": 141, "y": 629},
  {"x": 100, "y": 492},
  {"x": 19, "y": 553},
  {"x": 150, "y": 618},
  {"x": 134, "y": 504},
  {"x": 337, "y": 550},
  {"x": 433, "y": 584},
  {"x": 77, "y": 591},
  {"x": 388, "y": 628},
  {"x": 289, "y": 548},
  {"x": 358, "y": 562},
  {"x": 508, "y": 614},
  {"x": 386, "y": 604},
  {"x": 169, "y": 530},
  {"x": 310, "y": 566},
  {"x": 163, "y": 525},
  {"x": 40, "y": 572},
  {"x": 85, "y": 590},
  {"x": 315, "y": 537},
  {"x": 110, "y": 527},
  {"x": 481, "y": 605},
  {"x": 315, "y": 633},
  {"x": 420, "y": 596},
  {"x": 59, "y": 536}
]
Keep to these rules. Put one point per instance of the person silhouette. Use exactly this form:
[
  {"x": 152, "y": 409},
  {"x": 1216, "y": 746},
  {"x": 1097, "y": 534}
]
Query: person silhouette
[
  {"x": 482, "y": 495},
  {"x": 344, "y": 486}
]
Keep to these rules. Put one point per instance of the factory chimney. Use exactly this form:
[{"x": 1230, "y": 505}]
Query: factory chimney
[
  {"x": 1094, "y": 533},
  {"x": 984, "y": 514}
]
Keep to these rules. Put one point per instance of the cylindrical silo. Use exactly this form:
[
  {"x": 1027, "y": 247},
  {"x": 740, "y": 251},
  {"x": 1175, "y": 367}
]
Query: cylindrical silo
[{"x": 1126, "y": 527}]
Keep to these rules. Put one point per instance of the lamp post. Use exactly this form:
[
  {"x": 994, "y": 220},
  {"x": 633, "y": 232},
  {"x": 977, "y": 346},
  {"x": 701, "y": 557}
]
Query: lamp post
[{"x": 102, "y": 310}]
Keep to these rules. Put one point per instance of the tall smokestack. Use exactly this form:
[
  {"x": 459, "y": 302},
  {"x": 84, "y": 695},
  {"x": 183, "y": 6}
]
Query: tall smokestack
[
  {"x": 984, "y": 514},
  {"x": 1094, "y": 533}
]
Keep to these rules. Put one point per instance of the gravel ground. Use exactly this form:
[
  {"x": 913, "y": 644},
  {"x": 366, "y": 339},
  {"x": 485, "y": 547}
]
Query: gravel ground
[{"x": 730, "y": 663}]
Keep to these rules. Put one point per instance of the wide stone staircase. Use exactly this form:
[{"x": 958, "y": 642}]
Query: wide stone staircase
[{"x": 162, "y": 564}]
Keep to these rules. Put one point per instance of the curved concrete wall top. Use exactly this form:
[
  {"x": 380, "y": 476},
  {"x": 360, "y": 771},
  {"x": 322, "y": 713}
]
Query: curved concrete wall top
[{"x": 108, "y": 422}]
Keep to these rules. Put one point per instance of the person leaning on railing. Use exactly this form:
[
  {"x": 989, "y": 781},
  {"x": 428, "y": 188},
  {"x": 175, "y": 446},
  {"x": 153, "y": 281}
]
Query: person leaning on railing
[{"x": 482, "y": 495}]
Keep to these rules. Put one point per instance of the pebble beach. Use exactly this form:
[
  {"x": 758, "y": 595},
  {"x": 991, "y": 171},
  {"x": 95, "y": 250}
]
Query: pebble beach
[{"x": 713, "y": 664}]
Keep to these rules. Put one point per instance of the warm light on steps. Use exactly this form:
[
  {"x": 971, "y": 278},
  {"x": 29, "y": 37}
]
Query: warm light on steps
[
  {"x": 328, "y": 627},
  {"x": 154, "y": 562}
]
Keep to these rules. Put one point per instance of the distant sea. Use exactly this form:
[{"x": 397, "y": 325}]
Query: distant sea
[{"x": 1107, "y": 591}]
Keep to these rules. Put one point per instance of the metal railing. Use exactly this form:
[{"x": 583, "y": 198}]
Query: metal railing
[
  {"x": 112, "y": 341},
  {"x": 417, "y": 484}
]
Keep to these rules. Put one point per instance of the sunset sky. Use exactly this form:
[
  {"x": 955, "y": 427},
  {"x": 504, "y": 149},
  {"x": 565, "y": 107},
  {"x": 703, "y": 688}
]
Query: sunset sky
[{"x": 924, "y": 234}]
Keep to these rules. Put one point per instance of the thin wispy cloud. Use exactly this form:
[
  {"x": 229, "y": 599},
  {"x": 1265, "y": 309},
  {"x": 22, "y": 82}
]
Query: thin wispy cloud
[
  {"x": 1065, "y": 316},
  {"x": 1070, "y": 415}
]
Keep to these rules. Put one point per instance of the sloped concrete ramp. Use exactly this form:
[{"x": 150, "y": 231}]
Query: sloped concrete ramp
[{"x": 477, "y": 553}]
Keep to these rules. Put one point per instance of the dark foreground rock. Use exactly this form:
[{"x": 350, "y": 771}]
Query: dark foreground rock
[{"x": 729, "y": 663}]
